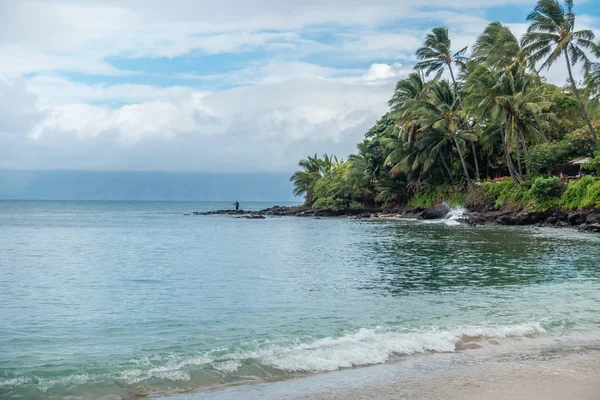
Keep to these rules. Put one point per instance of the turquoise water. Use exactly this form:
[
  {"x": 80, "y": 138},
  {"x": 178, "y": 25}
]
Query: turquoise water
[{"x": 99, "y": 297}]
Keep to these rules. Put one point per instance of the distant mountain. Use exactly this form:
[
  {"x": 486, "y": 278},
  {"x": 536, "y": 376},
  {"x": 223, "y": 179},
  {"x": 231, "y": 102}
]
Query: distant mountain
[{"x": 167, "y": 186}]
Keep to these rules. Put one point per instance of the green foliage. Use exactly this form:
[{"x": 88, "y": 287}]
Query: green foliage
[
  {"x": 544, "y": 188},
  {"x": 544, "y": 192},
  {"x": 514, "y": 195},
  {"x": 592, "y": 195},
  {"x": 579, "y": 143},
  {"x": 582, "y": 193},
  {"x": 495, "y": 116},
  {"x": 335, "y": 191},
  {"x": 452, "y": 195},
  {"x": 544, "y": 157}
]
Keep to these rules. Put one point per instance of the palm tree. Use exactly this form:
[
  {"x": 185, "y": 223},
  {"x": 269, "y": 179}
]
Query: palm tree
[
  {"x": 435, "y": 56},
  {"x": 442, "y": 113},
  {"x": 552, "y": 34},
  {"x": 498, "y": 47},
  {"x": 511, "y": 100},
  {"x": 407, "y": 90},
  {"x": 304, "y": 180}
]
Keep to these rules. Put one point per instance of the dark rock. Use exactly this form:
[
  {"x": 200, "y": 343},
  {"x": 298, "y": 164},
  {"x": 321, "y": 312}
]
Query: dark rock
[
  {"x": 221, "y": 212},
  {"x": 475, "y": 219},
  {"x": 530, "y": 217},
  {"x": 253, "y": 216},
  {"x": 436, "y": 212},
  {"x": 552, "y": 220},
  {"x": 592, "y": 219},
  {"x": 507, "y": 219},
  {"x": 576, "y": 218},
  {"x": 595, "y": 228},
  {"x": 363, "y": 215}
]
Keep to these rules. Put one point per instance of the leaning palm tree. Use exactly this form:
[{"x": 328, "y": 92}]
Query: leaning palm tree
[
  {"x": 407, "y": 90},
  {"x": 442, "y": 113},
  {"x": 497, "y": 46},
  {"x": 511, "y": 100},
  {"x": 552, "y": 35},
  {"x": 435, "y": 56},
  {"x": 304, "y": 180}
]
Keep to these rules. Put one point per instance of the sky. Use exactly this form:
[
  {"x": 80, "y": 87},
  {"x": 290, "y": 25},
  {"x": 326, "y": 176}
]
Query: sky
[{"x": 228, "y": 86}]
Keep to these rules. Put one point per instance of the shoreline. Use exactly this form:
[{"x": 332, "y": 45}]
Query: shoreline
[
  {"x": 550, "y": 372},
  {"x": 587, "y": 220}
]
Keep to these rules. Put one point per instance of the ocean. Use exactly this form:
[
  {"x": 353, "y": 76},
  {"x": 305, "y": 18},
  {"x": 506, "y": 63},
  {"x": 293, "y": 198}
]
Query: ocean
[{"x": 103, "y": 300}]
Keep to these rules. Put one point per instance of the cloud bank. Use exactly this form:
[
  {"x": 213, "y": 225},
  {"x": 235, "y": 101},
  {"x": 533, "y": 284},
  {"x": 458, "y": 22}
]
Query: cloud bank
[{"x": 228, "y": 86}]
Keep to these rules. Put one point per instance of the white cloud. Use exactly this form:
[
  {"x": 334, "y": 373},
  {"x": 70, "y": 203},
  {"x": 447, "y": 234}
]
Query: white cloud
[
  {"x": 267, "y": 126},
  {"x": 379, "y": 72},
  {"x": 280, "y": 109}
]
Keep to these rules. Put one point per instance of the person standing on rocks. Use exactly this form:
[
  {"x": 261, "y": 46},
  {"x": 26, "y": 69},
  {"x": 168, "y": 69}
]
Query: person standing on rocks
[{"x": 237, "y": 205}]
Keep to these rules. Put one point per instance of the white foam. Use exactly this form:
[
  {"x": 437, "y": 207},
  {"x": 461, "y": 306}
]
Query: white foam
[
  {"x": 228, "y": 366},
  {"x": 374, "y": 346},
  {"x": 174, "y": 369},
  {"x": 365, "y": 346},
  {"x": 452, "y": 218},
  {"x": 455, "y": 214}
]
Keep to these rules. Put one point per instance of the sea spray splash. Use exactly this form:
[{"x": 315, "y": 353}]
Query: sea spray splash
[{"x": 455, "y": 215}]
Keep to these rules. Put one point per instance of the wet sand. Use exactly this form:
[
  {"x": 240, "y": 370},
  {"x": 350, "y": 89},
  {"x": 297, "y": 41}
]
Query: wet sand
[{"x": 572, "y": 377}]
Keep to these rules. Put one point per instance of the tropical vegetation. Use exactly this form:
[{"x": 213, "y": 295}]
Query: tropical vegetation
[{"x": 479, "y": 125}]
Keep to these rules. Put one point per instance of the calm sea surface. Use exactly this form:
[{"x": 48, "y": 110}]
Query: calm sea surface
[{"x": 102, "y": 299}]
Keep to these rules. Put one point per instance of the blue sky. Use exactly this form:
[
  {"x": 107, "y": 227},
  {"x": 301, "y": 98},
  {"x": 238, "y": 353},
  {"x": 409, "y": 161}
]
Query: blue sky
[{"x": 228, "y": 86}]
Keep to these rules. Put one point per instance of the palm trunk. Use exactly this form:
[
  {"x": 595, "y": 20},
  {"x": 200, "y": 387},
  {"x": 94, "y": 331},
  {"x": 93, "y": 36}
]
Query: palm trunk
[
  {"x": 544, "y": 138},
  {"x": 525, "y": 155},
  {"x": 477, "y": 176},
  {"x": 574, "y": 85},
  {"x": 454, "y": 83},
  {"x": 464, "y": 164},
  {"x": 445, "y": 164},
  {"x": 519, "y": 159},
  {"x": 509, "y": 163}
]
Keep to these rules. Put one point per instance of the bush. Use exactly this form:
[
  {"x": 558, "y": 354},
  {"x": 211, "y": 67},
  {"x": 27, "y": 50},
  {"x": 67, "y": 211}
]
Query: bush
[
  {"x": 581, "y": 193},
  {"x": 592, "y": 195},
  {"x": 545, "y": 188},
  {"x": 579, "y": 144},
  {"x": 544, "y": 157},
  {"x": 544, "y": 192},
  {"x": 453, "y": 195},
  {"x": 335, "y": 192}
]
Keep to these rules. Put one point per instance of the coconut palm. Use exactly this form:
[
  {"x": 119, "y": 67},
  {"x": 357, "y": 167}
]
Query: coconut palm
[
  {"x": 304, "y": 180},
  {"x": 511, "y": 100},
  {"x": 497, "y": 46},
  {"x": 407, "y": 90},
  {"x": 435, "y": 56},
  {"x": 442, "y": 114},
  {"x": 552, "y": 35}
]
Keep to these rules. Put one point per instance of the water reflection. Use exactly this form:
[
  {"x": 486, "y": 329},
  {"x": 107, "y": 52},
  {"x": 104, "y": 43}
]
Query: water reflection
[{"x": 434, "y": 257}]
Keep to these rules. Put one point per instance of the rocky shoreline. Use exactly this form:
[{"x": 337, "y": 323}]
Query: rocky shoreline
[{"x": 584, "y": 220}]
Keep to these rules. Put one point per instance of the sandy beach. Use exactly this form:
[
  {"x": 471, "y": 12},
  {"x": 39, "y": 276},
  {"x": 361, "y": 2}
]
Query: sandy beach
[
  {"x": 577, "y": 377},
  {"x": 571, "y": 377}
]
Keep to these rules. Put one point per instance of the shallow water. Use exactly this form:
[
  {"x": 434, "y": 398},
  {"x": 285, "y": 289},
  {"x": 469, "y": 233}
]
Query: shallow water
[{"x": 98, "y": 297}]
